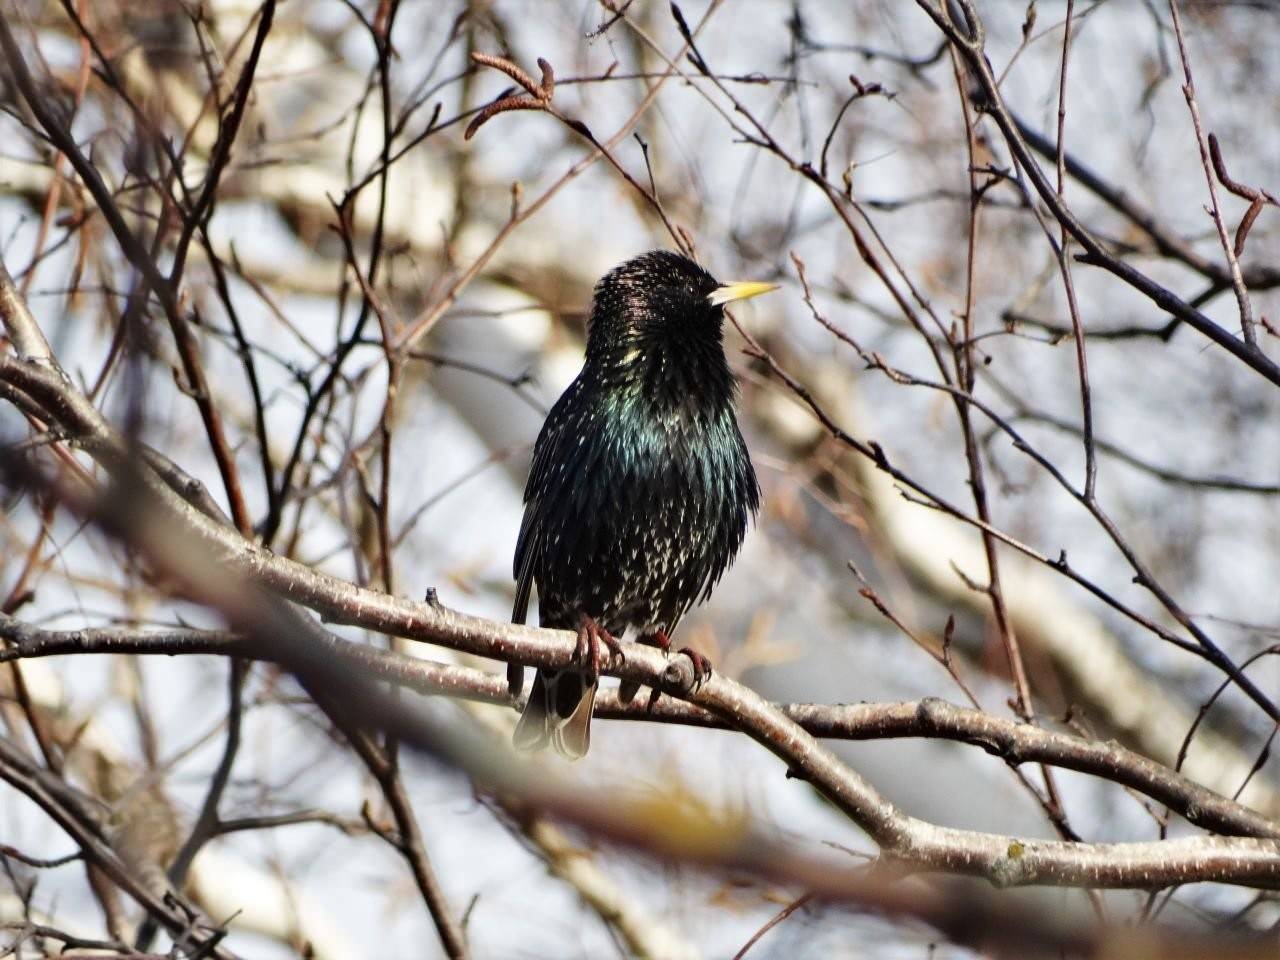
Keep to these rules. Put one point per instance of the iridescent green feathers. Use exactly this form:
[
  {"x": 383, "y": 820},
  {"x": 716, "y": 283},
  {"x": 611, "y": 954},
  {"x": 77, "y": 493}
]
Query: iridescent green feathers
[{"x": 641, "y": 488}]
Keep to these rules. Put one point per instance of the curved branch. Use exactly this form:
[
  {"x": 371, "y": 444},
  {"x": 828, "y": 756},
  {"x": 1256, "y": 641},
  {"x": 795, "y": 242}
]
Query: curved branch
[
  {"x": 218, "y": 567},
  {"x": 1010, "y": 740}
]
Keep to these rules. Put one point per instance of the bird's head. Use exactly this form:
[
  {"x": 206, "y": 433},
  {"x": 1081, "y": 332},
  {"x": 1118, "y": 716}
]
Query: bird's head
[{"x": 657, "y": 306}]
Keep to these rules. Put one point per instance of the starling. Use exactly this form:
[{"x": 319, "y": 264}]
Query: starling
[{"x": 641, "y": 487}]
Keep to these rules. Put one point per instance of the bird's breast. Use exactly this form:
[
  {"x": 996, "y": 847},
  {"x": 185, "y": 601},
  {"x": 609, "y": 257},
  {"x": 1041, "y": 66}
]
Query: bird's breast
[{"x": 654, "y": 507}]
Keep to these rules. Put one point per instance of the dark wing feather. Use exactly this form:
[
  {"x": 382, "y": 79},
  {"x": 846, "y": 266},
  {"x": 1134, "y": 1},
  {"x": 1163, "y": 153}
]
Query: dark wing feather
[
  {"x": 526, "y": 555},
  {"x": 529, "y": 543},
  {"x": 556, "y": 455},
  {"x": 527, "y": 549}
]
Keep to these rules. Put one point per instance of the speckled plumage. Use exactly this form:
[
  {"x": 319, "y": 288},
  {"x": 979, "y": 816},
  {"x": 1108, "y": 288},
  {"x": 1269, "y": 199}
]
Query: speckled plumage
[{"x": 641, "y": 488}]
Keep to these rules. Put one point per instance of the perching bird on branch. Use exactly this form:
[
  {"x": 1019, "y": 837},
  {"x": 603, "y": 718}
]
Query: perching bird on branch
[{"x": 641, "y": 488}]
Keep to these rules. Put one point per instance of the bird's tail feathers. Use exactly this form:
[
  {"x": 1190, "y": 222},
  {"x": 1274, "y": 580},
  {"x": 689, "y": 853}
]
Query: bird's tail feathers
[
  {"x": 558, "y": 713},
  {"x": 572, "y": 737}
]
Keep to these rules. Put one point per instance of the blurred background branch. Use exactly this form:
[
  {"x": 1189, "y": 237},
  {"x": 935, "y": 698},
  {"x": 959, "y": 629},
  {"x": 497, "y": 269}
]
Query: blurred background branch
[{"x": 268, "y": 217}]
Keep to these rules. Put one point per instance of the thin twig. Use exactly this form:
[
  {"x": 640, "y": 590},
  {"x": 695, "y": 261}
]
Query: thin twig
[{"x": 1233, "y": 261}]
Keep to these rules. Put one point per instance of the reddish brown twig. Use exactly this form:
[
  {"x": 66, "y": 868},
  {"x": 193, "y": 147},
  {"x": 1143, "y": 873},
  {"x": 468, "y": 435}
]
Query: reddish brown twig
[
  {"x": 537, "y": 97},
  {"x": 801, "y": 901},
  {"x": 1257, "y": 198}
]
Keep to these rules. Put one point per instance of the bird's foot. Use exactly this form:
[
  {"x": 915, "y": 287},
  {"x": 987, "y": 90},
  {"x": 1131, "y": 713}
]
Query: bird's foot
[
  {"x": 701, "y": 665},
  {"x": 657, "y": 639},
  {"x": 590, "y": 636}
]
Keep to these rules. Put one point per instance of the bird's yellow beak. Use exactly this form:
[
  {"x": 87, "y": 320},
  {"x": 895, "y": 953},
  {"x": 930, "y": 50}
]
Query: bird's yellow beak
[{"x": 739, "y": 290}]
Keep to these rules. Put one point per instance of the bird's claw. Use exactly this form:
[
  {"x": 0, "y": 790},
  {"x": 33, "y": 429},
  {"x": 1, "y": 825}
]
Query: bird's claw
[
  {"x": 701, "y": 665},
  {"x": 658, "y": 639},
  {"x": 590, "y": 636}
]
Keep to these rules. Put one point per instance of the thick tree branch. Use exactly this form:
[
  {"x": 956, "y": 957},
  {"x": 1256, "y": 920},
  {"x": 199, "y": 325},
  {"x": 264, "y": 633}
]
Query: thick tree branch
[
  {"x": 902, "y": 838},
  {"x": 1014, "y": 742}
]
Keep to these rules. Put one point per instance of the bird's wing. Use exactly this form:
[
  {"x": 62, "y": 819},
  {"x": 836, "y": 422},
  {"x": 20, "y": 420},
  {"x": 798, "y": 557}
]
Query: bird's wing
[
  {"x": 527, "y": 549},
  {"x": 529, "y": 541},
  {"x": 548, "y": 457}
]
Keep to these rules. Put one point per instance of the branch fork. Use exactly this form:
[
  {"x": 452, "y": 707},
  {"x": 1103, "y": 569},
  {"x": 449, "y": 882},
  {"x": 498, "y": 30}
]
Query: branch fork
[{"x": 537, "y": 96}]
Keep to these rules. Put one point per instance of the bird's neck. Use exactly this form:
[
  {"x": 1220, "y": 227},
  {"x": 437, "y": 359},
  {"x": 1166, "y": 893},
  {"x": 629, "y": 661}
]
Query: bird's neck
[{"x": 666, "y": 373}]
